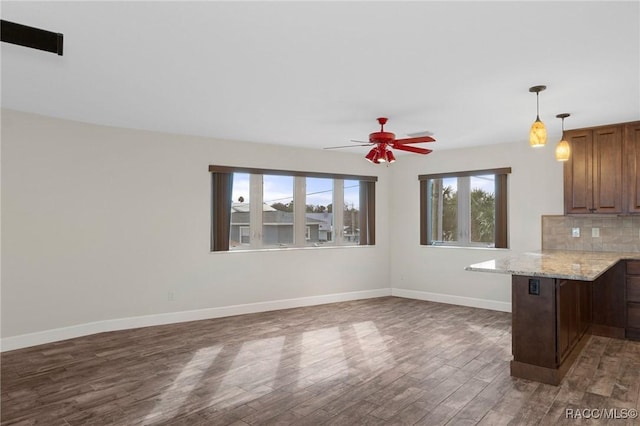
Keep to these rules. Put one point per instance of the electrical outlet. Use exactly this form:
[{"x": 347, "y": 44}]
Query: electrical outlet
[
  {"x": 171, "y": 296},
  {"x": 575, "y": 232},
  {"x": 595, "y": 232}
]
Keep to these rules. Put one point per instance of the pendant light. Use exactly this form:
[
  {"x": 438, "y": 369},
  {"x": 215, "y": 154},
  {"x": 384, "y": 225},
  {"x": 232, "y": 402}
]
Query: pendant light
[
  {"x": 538, "y": 133},
  {"x": 563, "y": 150}
]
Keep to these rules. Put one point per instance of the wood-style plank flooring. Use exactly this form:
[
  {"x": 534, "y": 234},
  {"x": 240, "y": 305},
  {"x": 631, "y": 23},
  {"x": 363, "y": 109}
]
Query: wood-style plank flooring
[{"x": 385, "y": 361}]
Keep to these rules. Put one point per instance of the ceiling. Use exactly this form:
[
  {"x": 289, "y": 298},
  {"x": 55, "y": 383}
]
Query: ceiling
[{"x": 317, "y": 74}]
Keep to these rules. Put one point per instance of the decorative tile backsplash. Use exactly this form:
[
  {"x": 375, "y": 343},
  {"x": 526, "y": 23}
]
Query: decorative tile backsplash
[{"x": 596, "y": 233}]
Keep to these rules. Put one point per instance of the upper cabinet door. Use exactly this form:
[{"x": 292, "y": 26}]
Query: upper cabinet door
[
  {"x": 578, "y": 181},
  {"x": 607, "y": 170},
  {"x": 632, "y": 175},
  {"x": 603, "y": 171}
]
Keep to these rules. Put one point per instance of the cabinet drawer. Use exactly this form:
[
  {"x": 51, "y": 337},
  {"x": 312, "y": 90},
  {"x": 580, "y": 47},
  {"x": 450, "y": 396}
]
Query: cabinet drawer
[
  {"x": 633, "y": 289},
  {"x": 633, "y": 267},
  {"x": 633, "y": 315}
]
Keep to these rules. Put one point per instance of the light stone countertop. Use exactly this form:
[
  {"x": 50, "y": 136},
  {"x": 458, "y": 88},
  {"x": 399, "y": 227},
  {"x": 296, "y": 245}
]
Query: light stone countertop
[{"x": 574, "y": 265}]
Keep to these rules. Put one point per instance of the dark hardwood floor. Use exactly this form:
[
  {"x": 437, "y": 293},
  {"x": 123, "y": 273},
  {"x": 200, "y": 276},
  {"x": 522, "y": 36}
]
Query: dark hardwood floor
[{"x": 382, "y": 361}]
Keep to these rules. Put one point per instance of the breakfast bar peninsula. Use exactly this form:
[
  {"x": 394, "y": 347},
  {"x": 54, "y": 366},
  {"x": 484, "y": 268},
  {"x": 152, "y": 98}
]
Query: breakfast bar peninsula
[{"x": 559, "y": 298}]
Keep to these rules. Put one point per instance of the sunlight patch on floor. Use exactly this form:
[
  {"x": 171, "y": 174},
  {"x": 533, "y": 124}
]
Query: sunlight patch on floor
[
  {"x": 257, "y": 362},
  {"x": 175, "y": 396},
  {"x": 372, "y": 343},
  {"x": 322, "y": 354}
]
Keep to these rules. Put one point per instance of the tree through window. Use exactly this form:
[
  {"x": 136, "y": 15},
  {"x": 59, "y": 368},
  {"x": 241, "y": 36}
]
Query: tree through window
[{"x": 464, "y": 209}]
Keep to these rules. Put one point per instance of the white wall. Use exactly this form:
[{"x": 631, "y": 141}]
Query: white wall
[
  {"x": 99, "y": 224},
  {"x": 437, "y": 273}
]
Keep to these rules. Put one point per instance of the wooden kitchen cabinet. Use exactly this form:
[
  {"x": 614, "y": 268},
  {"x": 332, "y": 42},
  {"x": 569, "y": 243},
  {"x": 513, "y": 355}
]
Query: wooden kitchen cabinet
[
  {"x": 593, "y": 174},
  {"x": 573, "y": 311},
  {"x": 608, "y": 294},
  {"x": 548, "y": 325},
  {"x": 603, "y": 171},
  {"x": 632, "y": 173},
  {"x": 633, "y": 299}
]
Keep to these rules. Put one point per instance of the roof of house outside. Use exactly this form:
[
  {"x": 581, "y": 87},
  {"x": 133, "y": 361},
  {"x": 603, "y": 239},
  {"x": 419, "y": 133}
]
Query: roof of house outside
[
  {"x": 274, "y": 217},
  {"x": 244, "y": 207},
  {"x": 326, "y": 220}
]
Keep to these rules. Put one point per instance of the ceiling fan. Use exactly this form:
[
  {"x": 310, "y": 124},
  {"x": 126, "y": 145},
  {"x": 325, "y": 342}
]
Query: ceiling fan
[{"x": 383, "y": 142}]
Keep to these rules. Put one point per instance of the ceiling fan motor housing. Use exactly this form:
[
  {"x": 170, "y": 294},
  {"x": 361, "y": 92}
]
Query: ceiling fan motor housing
[{"x": 382, "y": 137}]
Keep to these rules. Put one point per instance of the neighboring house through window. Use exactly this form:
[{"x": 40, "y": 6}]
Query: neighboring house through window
[
  {"x": 260, "y": 208},
  {"x": 244, "y": 235}
]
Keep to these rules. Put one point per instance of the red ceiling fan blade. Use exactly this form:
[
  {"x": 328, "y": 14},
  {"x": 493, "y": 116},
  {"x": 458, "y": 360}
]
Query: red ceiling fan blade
[
  {"x": 419, "y": 139},
  {"x": 413, "y": 149},
  {"x": 347, "y": 146}
]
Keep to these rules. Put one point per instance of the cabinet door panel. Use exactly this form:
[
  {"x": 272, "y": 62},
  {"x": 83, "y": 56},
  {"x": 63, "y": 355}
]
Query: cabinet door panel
[
  {"x": 578, "y": 192},
  {"x": 633, "y": 315},
  {"x": 607, "y": 170},
  {"x": 632, "y": 175},
  {"x": 584, "y": 314},
  {"x": 633, "y": 289},
  {"x": 566, "y": 299},
  {"x": 633, "y": 267},
  {"x": 608, "y": 297}
]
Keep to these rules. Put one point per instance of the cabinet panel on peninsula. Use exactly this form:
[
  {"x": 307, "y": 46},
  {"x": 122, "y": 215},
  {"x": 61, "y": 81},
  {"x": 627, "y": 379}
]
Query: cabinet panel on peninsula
[{"x": 633, "y": 300}]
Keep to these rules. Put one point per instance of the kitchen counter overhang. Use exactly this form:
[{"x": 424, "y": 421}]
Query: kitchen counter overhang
[{"x": 571, "y": 265}]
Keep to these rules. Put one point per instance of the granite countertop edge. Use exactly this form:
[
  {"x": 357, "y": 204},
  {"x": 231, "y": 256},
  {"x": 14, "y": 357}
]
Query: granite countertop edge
[{"x": 566, "y": 264}]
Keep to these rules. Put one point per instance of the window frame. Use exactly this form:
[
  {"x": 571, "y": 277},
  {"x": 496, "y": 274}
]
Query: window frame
[
  {"x": 501, "y": 222},
  {"x": 221, "y": 199}
]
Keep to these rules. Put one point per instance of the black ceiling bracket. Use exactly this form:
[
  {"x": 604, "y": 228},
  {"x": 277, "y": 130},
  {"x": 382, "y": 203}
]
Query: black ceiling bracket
[{"x": 35, "y": 38}]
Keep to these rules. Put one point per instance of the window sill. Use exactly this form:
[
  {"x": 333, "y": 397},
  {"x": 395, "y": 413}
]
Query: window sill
[
  {"x": 254, "y": 250},
  {"x": 464, "y": 247}
]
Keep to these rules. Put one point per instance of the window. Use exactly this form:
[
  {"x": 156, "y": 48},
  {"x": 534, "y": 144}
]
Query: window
[
  {"x": 466, "y": 209},
  {"x": 259, "y": 208},
  {"x": 351, "y": 215},
  {"x": 240, "y": 201},
  {"x": 277, "y": 210},
  {"x": 319, "y": 208}
]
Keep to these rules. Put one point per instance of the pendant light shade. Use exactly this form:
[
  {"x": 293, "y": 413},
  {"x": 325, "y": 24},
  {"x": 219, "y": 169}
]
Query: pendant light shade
[
  {"x": 563, "y": 150},
  {"x": 538, "y": 133}
]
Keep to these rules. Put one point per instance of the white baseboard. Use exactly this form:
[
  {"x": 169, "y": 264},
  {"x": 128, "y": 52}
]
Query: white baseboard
[
  {"x": 493, "y": 305},
  {"x": 57, "y": 334}
]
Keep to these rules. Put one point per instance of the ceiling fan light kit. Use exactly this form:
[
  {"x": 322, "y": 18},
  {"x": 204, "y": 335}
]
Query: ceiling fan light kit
[
  {"x": 390, "y": 157},
  {"x": 538, "y": 133},
  {"x": 563, "y": 150},
  {"x": 383, "y": 143},
  {"x": 380, "y": 154}
]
